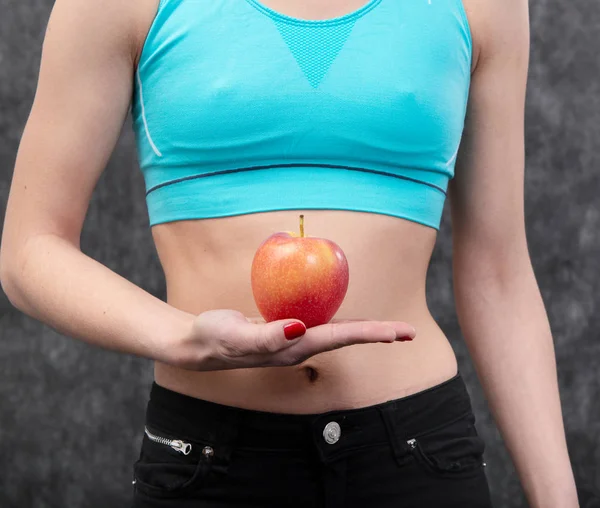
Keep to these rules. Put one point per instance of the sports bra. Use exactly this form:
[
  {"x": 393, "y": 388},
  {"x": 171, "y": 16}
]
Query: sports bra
[{"x": 238, "y": 108}]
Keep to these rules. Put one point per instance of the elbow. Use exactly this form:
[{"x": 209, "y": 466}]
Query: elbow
[
  {"x": 4, "y": 272},
  {"x": 494, "y": 255},
  {"x": 16, "y": 267},
  {"x": 13, "y": 254},
  {"x": 9, "y": 274},
  {"x": 8, "y": 283},
  {"x": 496, "y": 272}
]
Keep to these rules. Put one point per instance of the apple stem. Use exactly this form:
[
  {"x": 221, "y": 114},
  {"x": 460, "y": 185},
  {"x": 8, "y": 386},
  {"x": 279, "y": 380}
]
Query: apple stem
[{"x": 301, "y": 226}]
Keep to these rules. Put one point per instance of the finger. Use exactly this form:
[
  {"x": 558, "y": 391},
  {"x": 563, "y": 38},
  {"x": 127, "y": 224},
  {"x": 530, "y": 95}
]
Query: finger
[
  {"x": 261, "y": 337},
  {"x": 336, "y": 335},
  {"x": 401, "y": 327},
  {"x": 394, "y": 324},
  {"x": 349, "y": 320}
]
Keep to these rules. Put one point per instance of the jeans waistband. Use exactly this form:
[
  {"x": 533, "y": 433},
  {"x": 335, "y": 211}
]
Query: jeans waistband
[{"x": 334, "y": 433}]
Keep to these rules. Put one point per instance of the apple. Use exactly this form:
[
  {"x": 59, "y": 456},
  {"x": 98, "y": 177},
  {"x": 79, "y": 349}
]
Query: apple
[{"x": 300, "y": 277}]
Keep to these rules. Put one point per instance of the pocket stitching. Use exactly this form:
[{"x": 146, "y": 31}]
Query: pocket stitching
[
  {"x": 429, "y": 465},
  {"x": 202, "y": 467},
  {"x": 186, "y": 487}
]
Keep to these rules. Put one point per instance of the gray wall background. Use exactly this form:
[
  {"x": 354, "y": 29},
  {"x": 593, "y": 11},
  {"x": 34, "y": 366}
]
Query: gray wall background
[{"x": 71, "y": 416}]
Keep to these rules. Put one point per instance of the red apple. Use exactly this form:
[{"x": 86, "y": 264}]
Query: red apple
[{"x": 300, "y": 277}]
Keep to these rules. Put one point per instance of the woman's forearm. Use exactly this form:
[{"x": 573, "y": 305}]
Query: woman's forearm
[
  {"x": 508, "y": 335},
  {"x": 55, "y": 283}
]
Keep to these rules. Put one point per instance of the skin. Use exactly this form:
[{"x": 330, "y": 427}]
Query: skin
[{"x": 84, "y": 92}]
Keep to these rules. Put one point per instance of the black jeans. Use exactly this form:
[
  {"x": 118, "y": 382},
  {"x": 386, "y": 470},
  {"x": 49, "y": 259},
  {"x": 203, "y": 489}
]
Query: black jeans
[{"x": 419, "y": 451}]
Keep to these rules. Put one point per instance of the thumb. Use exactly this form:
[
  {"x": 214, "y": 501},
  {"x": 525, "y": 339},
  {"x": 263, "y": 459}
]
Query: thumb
[
  {"x": 275, "y": 335},
  {"x": 293, "y": 330},
  {"x": 281, "y": 334}
]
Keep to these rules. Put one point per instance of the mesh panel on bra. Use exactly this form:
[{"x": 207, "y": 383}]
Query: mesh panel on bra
[{"x": 315, "y": 47}]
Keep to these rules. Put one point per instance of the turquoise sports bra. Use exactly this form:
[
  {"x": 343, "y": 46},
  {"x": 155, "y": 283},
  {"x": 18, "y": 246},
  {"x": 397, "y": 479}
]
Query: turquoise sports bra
[{"x": 240, "y": 109}]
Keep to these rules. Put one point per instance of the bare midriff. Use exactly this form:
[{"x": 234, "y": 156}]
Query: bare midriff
[{"x": 207, "y": 266}]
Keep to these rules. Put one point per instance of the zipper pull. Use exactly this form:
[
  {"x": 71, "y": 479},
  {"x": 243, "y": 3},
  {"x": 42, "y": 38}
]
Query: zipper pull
[
  {"x": 176, "y": 444},
  {"x": 412, "y": 443},
  {"x": 181, "y": 447}
]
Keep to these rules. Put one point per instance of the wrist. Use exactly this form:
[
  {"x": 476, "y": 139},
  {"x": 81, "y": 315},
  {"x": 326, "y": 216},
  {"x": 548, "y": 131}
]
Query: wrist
[
  {"x": 566, "y": 501},
  {"x": 170, "y": 347},
  {"x": 559, "y": 496}
]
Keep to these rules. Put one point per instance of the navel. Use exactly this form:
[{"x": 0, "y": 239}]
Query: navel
[{"x": 311, "y": 374}]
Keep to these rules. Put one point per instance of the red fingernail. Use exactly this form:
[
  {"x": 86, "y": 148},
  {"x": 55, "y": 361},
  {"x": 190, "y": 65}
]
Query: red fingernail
[
  {"x": 405, "y": 338},
  {"x": 294, "y": 330}
]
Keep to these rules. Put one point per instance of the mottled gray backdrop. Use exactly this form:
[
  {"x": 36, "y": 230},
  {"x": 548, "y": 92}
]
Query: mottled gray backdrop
[{"x": 71, "y": 416}]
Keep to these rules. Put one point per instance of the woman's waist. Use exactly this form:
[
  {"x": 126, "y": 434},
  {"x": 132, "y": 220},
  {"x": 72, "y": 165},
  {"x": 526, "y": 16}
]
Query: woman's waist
[
  {"x": 350, "y": 377},
  {"x": 208, "y": 263}
]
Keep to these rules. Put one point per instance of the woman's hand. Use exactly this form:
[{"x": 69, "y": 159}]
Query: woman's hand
[{"x": 225, "y": 339}]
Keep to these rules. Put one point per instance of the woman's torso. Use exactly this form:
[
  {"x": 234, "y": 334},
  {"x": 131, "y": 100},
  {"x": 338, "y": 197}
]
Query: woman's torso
[{"x": 207, "y": 266}]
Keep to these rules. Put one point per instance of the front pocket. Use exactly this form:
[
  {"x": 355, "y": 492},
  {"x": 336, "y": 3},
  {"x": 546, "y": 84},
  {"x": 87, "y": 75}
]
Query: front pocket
[
  {"x": 453, "y": 451},
  {"x": 169, "y": 466}
]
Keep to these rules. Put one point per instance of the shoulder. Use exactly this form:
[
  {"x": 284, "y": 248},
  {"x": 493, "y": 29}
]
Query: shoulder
[
  {"x": 105, "y": 26},
  {"x": 111, "y": 25},
  {"x": 498, "y": 28}
]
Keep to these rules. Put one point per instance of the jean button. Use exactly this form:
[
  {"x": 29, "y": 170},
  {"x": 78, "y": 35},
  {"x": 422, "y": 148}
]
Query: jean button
[{"x": 332, "y": 432}]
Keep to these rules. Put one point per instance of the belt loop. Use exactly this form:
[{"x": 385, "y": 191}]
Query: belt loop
[{"x": 396, "y": 433}]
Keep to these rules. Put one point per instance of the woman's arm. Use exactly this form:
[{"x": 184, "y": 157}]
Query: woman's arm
[
  {"x": 498, "y": 302},
  {"x": 81, "y": 102},
  {"x": 82, "y": 98}
]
